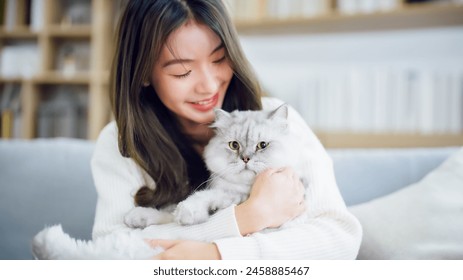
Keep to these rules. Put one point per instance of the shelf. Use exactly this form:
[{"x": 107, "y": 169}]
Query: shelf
[
  {"x": 57, "y": 31},
  {"x": 81, "y": 78},
  {"x": 408, "y": 17},
  {"x": 70, "y": 31},
  {"x": 351, "y": 140},
  {"x": 11, "y": 80},
  {"x": 18, "y": 33}
]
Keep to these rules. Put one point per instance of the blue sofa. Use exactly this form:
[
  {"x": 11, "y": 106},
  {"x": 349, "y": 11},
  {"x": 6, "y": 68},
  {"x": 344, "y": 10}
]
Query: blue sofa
[{"x": 48, "y": 181}]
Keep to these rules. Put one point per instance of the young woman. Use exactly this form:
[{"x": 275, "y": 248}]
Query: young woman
[{"x": 175, "y": 61}]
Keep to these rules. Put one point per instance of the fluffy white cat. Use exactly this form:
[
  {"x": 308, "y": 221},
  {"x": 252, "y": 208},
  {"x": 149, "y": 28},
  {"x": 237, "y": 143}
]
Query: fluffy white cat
[
  {"x": 246, "y": 143},
  {"x": 54, "y": 244}
]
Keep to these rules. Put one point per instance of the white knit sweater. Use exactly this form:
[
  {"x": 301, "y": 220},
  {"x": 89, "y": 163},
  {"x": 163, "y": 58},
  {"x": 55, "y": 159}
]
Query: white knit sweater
[{"x": 333, "y": 234}]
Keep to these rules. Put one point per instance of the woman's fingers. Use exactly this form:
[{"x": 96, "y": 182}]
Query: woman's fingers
[
  {"x": 299, "y": 189},
  {"x": 186, "y": 250},
  {"x": 164, "y": 243}
]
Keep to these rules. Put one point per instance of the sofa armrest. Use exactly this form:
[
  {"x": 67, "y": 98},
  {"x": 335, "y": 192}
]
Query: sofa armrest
[{"x": 44, "y": 182}]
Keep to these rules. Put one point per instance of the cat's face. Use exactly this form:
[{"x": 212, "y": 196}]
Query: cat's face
[{"x": 247, "y": 143}]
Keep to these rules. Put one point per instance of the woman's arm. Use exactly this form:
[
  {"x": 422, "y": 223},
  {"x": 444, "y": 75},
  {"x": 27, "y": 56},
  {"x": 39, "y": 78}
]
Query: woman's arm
[{"x": 117, "y": 179}]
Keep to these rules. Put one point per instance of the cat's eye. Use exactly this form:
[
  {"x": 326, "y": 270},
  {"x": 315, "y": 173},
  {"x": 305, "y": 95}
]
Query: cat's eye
[
  {"x": 261, "y": 145},
  {"x": 235, "y": 146}
]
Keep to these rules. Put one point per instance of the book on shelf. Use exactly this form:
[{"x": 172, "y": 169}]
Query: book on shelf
[
  {"x": 37, "y": 15},
  {"x": 21, "y": 59},
  {"x": 376, "y": 99},
  {"x": 10, "y": 111},
  {"x": 10, "y": 14},
  {"x": 73, "y": 57},
  {"x": 256, "y": 10},
  {"x": 76, "y": 12},
  {"x": 352, "y": 7},
  {"x": 63, "y": 114},
  {"x": 14, "y": 14}
]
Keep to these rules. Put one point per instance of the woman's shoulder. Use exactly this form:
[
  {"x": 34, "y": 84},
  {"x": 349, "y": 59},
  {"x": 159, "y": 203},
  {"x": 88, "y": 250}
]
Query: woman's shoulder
[
  {"x": 270, "y": 103},
  {"x": 109, "y": 132},
  {"x": 106, "y": 142},
  {"x": 107, "y": 153}
]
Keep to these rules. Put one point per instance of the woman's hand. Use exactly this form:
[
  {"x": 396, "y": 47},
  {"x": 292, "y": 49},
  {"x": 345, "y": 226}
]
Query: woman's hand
[
  {"x": 185, "y": 250},
  {"x": 277, "y": 196}
]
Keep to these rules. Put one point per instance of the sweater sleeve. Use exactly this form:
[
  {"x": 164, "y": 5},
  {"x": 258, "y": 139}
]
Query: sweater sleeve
[
  {"x": 118, "y": 178},
  {"x": 330, "y": 232}
]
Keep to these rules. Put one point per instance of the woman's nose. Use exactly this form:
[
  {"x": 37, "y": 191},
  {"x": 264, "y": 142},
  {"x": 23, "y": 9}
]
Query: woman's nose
[{"x": 209, "y": 81}]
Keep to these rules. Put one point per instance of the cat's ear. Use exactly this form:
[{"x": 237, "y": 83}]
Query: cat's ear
[
  {"x": 279, "y": 118},
  {"x": 221, "y": 118},
  {"x": 221, "y": 114},
  {"x": 279, "y": 113}
]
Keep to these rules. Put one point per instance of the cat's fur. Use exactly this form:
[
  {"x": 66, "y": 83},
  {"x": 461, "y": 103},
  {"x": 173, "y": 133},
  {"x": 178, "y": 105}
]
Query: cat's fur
[{"x": 246, "y": 143}]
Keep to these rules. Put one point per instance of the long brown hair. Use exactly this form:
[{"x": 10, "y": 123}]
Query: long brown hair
[{"x": 148, "y": 132}]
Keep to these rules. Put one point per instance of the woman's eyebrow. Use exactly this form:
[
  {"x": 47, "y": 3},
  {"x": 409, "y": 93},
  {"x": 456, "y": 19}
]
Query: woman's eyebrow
[
  {"x": 182, "y": 60},
  {"x": 176, "y": 61},
  {"x": 217, "y": 48}
]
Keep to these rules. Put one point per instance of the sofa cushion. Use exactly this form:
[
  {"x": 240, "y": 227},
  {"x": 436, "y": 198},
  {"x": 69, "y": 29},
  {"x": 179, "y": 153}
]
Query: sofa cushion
[
  {"x": 366, "y": 174},
  {"x": 44, "y": 182},
  {"x": 421, "y": 221}
]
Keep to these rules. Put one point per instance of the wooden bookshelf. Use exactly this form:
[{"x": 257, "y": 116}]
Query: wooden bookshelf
[
  {"x": 69, "y": 31},
  {"x": 99, "y": 35},
  {"x": 18, "y": 33},
  {"x": 55, "y": 31},
  {"x": 82, "y": 78}
]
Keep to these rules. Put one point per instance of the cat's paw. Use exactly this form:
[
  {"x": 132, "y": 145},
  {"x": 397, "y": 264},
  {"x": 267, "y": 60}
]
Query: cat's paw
[
  {"x": 185, "y": 214},
  {"x": 141, "y": 217}
]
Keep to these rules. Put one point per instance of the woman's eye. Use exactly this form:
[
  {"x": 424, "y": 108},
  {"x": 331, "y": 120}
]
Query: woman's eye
[
  {"x": 220, "y": 60},
  {"x": 262, "y": 145},
  {"x": 235, "y": 146},
  {"x": 183, "y": 75}
]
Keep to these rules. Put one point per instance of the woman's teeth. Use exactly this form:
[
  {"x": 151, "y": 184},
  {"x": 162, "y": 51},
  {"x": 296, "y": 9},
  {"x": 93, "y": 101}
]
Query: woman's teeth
[{"x": 204, "y": 102}]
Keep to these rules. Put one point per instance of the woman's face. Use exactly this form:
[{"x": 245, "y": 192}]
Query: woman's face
[{"x": 192, "y": 74}]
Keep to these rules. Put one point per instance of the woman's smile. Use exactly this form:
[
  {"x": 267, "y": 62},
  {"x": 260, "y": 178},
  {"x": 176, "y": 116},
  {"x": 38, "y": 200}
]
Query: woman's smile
[{"x": 205, "y": 104}]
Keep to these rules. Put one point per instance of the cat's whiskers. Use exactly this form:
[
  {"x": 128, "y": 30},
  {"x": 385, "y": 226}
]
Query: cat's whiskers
[
  {"x": 200, "y": 185},
  {"x": 213, "y": 176}
]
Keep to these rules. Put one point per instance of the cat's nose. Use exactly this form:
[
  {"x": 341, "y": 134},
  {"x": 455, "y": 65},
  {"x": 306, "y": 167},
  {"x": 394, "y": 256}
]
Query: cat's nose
[{"x": 245, "y": 159}]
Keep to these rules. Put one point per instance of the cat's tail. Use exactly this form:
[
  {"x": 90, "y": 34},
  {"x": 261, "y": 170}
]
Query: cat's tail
[{"x": 53, "y": 243}]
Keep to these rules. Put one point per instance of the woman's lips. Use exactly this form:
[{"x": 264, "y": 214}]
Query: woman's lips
[{"x": 206, "y": 104}]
